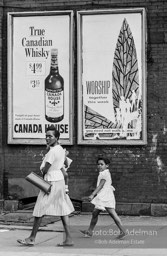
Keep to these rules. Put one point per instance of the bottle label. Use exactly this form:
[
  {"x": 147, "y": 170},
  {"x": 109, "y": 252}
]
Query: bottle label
[{"x": 54, "y": 103}]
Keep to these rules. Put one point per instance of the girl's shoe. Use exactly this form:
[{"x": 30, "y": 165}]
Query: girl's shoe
[
  {"x": 121, "y": 235},
  {"x": 86, "y": 233},
  {"x": 26, "y": 243}
]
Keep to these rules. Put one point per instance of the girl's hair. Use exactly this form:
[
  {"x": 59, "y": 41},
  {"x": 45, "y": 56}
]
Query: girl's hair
[
  {"x": 53, "y": 128},
  {"x": 105, "y": 159}
]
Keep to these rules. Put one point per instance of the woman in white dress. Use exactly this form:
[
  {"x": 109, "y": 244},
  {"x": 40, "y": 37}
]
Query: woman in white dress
[
  {"x": 103, "y": 198},
  {"x": 57, "y": 202}
]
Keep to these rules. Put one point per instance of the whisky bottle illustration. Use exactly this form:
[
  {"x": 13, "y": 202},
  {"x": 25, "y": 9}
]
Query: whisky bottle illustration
[{"x": 54, "y": 91}]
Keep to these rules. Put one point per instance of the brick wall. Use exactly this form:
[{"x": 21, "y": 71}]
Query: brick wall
[
  {"x": 1, "y": 105},
  {"x": 139, "y": 172}
]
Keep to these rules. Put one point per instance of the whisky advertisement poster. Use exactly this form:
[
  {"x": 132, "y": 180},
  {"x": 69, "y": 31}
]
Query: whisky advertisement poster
[
  {"x": 112, "y": 77},
  {"x": 40, "y": 77}
]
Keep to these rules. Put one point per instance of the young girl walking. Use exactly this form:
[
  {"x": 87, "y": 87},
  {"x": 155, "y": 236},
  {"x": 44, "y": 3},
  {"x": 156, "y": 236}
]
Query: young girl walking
[{"x": 103, "y": 198}]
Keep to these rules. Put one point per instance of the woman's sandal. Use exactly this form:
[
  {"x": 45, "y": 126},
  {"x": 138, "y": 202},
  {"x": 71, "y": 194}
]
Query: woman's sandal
[
  {"x": 24, "y": 242},
  {"x": 63, "y": 244}
]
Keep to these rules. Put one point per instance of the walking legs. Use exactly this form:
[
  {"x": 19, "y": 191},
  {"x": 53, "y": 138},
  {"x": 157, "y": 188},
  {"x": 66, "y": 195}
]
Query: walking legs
[
  {"x": 117, "y": 221},
  {"x": 37, "y": 222},
  {"x": 29, "y": 241},
  {"x": 93, "y": 222},
  {"x": 68, "y": 239}
]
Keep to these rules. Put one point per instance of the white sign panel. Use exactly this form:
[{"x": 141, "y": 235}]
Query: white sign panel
[
  {"x": 111, "y": 77},
  {"x": 40, "y": 75}
]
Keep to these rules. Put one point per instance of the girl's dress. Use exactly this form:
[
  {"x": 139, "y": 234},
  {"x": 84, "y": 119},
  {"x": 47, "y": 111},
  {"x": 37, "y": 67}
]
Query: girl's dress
[
  {"x": 105, "y": 197},
  {"x": 57, "y": 202}
]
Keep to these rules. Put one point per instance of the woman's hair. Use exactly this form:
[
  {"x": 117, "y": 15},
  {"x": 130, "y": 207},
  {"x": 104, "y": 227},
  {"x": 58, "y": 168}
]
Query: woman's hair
[
  {"x": 105, "y": 159},
  {"x": 53, "y": 128}
]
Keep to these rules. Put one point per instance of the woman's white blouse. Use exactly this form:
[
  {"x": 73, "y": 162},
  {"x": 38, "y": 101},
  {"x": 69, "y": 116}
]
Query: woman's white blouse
[{"x": 55, "y": 157}]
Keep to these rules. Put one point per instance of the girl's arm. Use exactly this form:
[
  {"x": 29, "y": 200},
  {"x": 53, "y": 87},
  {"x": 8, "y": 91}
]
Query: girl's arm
[
  {"x": 66, "y": 162},
  {"x": 111, "y": 178},
  {"x": 100, "y": 186},
  {"x": 65, "y": 174}
]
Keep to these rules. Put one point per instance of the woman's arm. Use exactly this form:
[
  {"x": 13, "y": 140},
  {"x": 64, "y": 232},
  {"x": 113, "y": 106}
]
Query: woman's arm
[
  {"x": 100, "y": 186},
  {"x": 45, "y": 168}
]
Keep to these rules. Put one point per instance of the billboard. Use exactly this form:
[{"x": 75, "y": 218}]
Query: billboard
[
  {"x": 112, "y": 76},
  {"x": 40, "y": 90}
]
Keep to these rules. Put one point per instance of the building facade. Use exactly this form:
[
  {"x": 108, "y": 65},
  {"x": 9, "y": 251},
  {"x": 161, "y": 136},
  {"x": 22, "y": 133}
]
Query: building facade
[{"x": 139, "y": 171}]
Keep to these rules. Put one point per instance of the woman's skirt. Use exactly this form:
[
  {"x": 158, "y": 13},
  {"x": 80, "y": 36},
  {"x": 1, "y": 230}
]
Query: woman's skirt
[{"x": 56, "y": 203}]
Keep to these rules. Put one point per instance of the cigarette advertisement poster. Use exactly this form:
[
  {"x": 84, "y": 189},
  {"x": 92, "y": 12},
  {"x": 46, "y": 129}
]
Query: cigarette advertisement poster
[
  {"x": 39, "y": 76},
  {"x": 112, "y": 87}
]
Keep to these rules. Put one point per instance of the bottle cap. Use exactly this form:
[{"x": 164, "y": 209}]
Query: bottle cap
[{"x": 54, "y": 51}]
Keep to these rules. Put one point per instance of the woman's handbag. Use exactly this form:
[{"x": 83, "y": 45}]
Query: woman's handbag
[{"x": 39, "y": 182}]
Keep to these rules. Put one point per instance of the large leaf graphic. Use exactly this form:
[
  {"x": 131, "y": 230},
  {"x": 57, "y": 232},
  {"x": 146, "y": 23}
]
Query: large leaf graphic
[
  {"x": 125, "y": 77},
  {"x": 125, "y": 85}
]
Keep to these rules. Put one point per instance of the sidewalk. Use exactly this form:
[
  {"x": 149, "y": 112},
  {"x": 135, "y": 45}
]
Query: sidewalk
[{"x": 146, "y": 236}]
